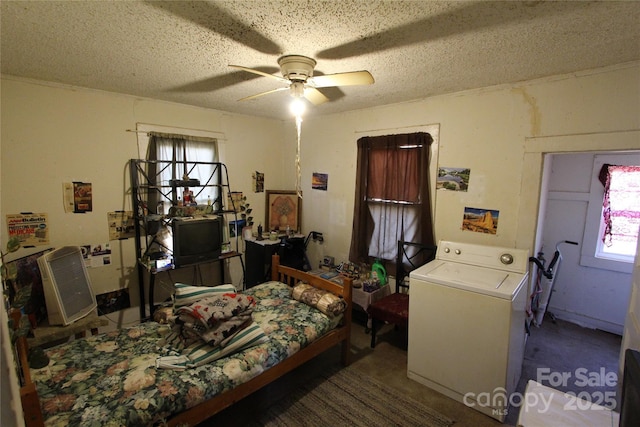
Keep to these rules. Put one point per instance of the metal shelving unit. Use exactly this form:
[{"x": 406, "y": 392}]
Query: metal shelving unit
[{"x": 155, "y": 191}]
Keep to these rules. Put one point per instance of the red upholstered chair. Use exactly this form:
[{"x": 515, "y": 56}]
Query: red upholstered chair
[{"x": 394, "y": 308}]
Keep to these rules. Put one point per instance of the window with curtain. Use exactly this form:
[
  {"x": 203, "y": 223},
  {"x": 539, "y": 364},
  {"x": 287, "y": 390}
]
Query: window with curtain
[
  {"x": 392, "y": 196},
  {"x": 620, "y": 212},
  {"x": 181, "y": 151}
]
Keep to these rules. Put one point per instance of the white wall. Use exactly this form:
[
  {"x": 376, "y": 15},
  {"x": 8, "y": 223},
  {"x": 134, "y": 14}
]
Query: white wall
[
  {"x": 491, "y": 131},
  {"x": 52, "y": 134}
]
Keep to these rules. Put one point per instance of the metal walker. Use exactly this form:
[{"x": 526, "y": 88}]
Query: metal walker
[{"x": 545, "y": 280}]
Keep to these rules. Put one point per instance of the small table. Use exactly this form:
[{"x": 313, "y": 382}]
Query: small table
[
  {"x": 365, "y": 299},
  {"x": 45, "y": 333}
]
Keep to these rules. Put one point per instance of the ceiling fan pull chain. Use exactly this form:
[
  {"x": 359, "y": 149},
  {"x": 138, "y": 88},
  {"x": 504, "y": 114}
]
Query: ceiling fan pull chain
[{"x": 298, "y": 172}]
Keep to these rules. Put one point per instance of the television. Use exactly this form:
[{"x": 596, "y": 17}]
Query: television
[
  {"x": 196, "y": 240},
  {"x": 66, "y": 285}
]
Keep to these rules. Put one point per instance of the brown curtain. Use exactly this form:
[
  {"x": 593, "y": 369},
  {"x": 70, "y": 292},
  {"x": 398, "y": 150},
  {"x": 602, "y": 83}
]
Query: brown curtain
[{"x": 388, "y": 170}]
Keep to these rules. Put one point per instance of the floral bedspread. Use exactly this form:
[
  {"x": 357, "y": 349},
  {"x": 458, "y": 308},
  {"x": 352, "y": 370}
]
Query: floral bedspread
[{"x": 111, "y": 379}]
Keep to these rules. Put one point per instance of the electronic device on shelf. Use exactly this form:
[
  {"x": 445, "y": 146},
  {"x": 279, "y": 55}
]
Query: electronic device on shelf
[
  {"x": 196, "y": 240},
  {"x": 66, "y": 284}
]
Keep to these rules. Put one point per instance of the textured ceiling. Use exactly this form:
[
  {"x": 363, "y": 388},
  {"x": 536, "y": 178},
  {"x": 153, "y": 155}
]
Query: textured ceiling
[{"x": 180, "y": 51}]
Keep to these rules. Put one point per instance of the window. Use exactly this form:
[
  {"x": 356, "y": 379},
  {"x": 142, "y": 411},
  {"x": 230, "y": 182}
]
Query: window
[
  {"x": 611, "y": 229},
  {"x": 180, "y": 150},
  {"x": 392, "y": 195}
]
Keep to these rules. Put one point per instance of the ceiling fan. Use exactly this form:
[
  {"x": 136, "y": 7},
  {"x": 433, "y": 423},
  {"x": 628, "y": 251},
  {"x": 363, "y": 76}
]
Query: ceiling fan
[{"x": 297, "y": 75}]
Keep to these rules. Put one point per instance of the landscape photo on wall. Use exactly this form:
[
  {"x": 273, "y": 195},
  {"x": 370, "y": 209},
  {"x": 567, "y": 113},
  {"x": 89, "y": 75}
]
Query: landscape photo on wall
[{"x": 480, "y": 220}]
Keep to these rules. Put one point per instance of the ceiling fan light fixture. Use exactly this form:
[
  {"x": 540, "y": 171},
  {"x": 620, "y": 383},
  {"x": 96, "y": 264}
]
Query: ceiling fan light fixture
[
  {"x": 297, "y": 89},
  {"x": 297, "y": 73},
  {"x": 296, "y": 67},
  {"x": 297, "y": 107}
]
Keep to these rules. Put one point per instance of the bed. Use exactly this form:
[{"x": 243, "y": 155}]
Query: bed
[{"x": 114, "y": 378}]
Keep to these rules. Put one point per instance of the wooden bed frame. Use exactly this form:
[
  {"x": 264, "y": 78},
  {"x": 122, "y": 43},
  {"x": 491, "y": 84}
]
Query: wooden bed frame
[{"x": 201, "y": 412}]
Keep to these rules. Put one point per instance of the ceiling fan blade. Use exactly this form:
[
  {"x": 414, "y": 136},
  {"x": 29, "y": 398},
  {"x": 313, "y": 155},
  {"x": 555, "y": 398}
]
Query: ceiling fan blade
[
  {"x": 314, "y": 96},
  {"x": 262, "y": 73},
  {"x": 211, "y": 84},
  {"x": 263, "y": 93},
  {"x": 352, "y": 78},
  {"x": 214, "y": 18}
]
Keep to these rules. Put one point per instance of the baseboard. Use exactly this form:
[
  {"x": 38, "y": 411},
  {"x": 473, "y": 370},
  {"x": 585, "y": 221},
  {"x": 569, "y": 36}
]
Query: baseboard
[{"x": 585, "y": 321}]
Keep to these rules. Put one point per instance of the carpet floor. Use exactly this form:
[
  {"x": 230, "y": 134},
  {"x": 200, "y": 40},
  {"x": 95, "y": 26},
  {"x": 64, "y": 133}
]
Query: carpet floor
[
  {"x": 572, "y": 346},
  {"x": 347, "y": 397}
]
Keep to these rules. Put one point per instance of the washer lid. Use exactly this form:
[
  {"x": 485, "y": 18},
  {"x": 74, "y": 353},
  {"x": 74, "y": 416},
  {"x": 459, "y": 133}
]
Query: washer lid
[{"x": 497, "y": 283}]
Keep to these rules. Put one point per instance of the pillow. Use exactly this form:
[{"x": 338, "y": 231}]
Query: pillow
[
  {"x": 328, "y": 303},
  {"x": 201, "y": 353},
  {"x": 188, "y": 294}
]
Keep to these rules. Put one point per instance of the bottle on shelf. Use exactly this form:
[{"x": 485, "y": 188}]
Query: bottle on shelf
[{"x": 187, "y": 197}]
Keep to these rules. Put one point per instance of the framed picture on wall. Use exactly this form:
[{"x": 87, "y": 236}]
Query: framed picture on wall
[{"x": 283, "y": 208}]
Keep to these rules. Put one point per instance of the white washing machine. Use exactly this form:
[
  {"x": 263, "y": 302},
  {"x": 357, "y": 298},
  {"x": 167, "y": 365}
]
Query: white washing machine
[{"x": 467, "y": 324}]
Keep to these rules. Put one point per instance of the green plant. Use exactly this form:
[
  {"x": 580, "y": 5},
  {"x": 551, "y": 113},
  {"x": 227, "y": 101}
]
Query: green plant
[
  {"x": 20, "y": 298},
  {"x": 12, "y": 245},
  {"x": 245, "y": 211}
]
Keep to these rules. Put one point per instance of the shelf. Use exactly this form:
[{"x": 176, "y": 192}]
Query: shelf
[
  {"x": 159, "y": 186},
  {"x": 155, "y": 183},
  {"x": 184, "y": 183},
  {"x": 154, "y": 270},
  {"x": 45, "y": 333}
]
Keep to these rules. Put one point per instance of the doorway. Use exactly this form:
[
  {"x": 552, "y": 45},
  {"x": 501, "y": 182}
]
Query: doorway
[
  {"x": 590, "y": 294},
  {"x": 535, "y": 184}
]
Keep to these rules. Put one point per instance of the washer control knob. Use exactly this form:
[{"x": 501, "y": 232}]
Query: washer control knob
[
  {"x": 506, "y": 259},
  {"x": 458, "y": 252},
  {"x": 447, "y": 250}
]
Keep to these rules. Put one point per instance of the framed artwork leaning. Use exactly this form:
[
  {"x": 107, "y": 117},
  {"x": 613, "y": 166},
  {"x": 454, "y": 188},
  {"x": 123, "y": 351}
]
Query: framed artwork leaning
[{"x": 283, "y": 208}]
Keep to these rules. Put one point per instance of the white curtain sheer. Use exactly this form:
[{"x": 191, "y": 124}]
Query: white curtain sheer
[
  {"x": 392, "y": 223},
  {"x": 182, "y": 150}
]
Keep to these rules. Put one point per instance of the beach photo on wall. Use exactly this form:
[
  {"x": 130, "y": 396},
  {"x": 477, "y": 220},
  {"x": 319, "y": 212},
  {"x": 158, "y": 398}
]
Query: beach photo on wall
[{"x": 320, "y": 181}]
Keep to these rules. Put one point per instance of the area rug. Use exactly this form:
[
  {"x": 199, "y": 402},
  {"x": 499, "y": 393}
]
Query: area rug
[{"x": 349, "y": 398}]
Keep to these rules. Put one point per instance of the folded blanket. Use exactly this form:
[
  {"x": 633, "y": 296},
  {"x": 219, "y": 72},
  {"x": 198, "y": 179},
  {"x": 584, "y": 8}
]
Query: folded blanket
[
  {"x": 200, "y": 353},
  {"x": 213, "y": 320}
]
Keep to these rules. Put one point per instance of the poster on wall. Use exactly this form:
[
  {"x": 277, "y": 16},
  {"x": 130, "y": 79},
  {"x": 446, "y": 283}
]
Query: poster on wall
[
  {"x": 453, "y": 179},
  {"x": 30, "y": 229},
  {"x": 24, "y": 272},
  {"x": 77, "y": 197},
  {"x": 82, "y": 197},
  {"x": 110, "y": 302},
  {"x": 258, "y": 182},
  {"x": 480, "y": 220},
  {"x": 121, "y": 225},
  {"x": 96, "y": 255},
  {"x": 320, "y": 181}
]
